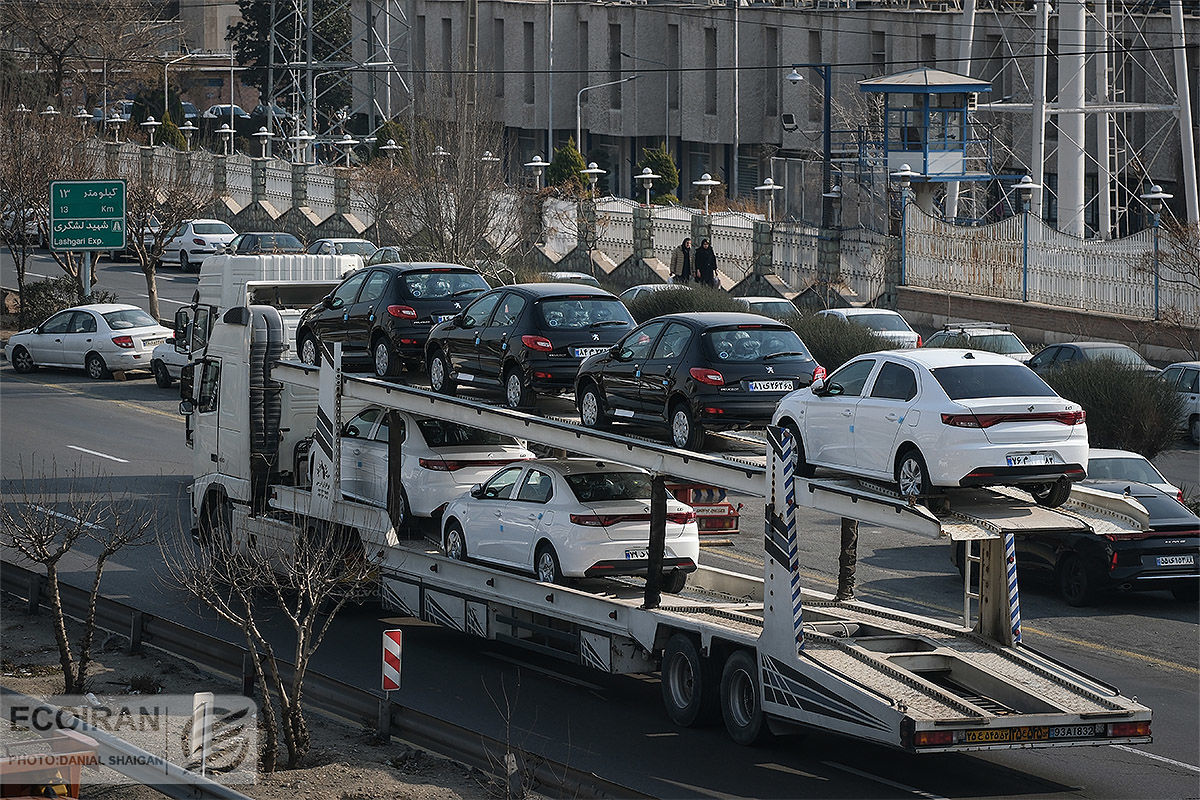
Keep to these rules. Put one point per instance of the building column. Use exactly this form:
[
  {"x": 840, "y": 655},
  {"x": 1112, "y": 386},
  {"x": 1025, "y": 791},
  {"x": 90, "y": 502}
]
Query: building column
[
  {"x": 643, "y": 234},
  {"x": 763, "y": 248},
  {"x": 299, "y": 185},
  {"x": 258, "y": 179},
  {"x": 220, "y": 176}
]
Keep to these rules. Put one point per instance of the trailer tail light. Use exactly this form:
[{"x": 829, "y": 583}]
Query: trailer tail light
[
  {"x": 402, "y": 312},
  {"x": 538, "y": 343},
  {"x": 681, "y": 517},
  {"x": 710, "y": 377},
  {"x": 1129, "y": 729},
  {"x": 933, "y": 738},
  {"x": 818, "y": 373},
  {"x": 123, "y": 341}
]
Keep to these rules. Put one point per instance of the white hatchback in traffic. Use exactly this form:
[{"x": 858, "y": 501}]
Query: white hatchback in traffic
[
  {"x": 938, "y": 418},
  {"x": 195, "y": 240},
  {"x": 439, "y": 460},
  {"x": 561, "y": 518},
  {"x": 100, "y": 338}
]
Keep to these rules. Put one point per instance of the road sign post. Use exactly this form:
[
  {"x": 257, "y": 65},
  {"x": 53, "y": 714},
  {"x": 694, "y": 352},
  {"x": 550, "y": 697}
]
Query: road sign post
[
  {"x": 391, "y": 660},
  {"x": 87, "y": 217}
]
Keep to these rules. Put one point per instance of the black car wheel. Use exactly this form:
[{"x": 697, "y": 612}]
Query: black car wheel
[
  {"x": 161, "y": 376},
  {"x": 310, "y": 351},
  {"x": 1077, "y": 581},
  {"x": 591, "y": 408},
  {"x": 22, "y": 361},
  {"x": 1052, "y": 495},
  {"x": 386, "y": 363},
  {"x": 685, "y": 433},
  {"x": 516, "y": 390},
  {"x": 439, "y": 374}
]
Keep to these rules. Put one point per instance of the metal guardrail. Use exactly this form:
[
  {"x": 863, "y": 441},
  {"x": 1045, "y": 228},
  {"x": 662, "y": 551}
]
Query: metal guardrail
[{"x": 326, "y": 694}]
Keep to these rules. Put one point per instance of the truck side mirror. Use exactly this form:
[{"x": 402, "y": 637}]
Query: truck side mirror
[
  {"x": 185, "y": 407},
  {"x": 183, "y": 321}
]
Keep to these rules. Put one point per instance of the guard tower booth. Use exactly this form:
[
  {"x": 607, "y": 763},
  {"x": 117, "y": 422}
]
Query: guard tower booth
[{"x": 926, "y": 126}]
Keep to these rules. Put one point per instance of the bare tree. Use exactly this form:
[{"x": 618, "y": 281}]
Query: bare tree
[
  {"x": 307, "y": 580},
  {"x": 49, "y": 517}
]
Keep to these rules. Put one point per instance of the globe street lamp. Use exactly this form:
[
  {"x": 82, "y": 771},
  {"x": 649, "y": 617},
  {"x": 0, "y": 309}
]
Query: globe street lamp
[
  {"x": 1154, "y": 199},
  {"x": 264, "y": 137},
  {"x": 49, "y": 113},
  {"x": 440, "y": 154},
  {"x": 347, "y": 143},
  {"x": 705, "y": 186},
  {"x": 646, "y": 178},
  {"x": 226, "y": 134},
  {"x": 593, "y": 173},
  {"x": 187, "y": 129},
  {"x": 150, "y": 124},
  {"x": 391, "y": 148},
  {"x": 1025, "y": 189},
  {"x": 771, "y": 187},
  {"x": 903, "y": 177},
  {"x": 84, "y": 118},
  {"x": 537, "y": 166},
  {"x": 488, "y": 158},
  {"x": 300, "y": 144},
  {"x": 116, "y": 122}
]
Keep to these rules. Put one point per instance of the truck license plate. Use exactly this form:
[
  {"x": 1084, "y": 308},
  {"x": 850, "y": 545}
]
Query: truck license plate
[
  {"x": 636, "y": 555},
  {"x": 584, "y": 352},
  {"x": 988, "y": 735},
  {"x": 1176, "y": 561},
  {"x": 1071, "y": 731},
  {"x": 1027, "y": 459},
  {"x": 770, "y": 386}
]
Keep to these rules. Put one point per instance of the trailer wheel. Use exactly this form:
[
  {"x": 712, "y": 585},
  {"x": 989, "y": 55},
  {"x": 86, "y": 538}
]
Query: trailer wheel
[
  {"x": 741, "y": 701},
  {"x": 689, "y": 683}
]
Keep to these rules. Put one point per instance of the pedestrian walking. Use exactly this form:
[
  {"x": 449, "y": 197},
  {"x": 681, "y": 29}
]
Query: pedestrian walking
[
  {"x": 681, "y": 262},
  {"x": 706, "y": 264}
]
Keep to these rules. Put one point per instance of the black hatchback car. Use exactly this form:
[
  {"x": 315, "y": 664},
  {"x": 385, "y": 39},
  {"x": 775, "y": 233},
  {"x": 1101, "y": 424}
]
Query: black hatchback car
[
  {"x": 384, "y": 313},
  {"x": 696, "y": 371},
  {"x": 527, "y": 339}
]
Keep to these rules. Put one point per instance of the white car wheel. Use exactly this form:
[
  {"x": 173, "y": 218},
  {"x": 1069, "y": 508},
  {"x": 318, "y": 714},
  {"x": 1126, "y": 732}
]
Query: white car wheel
[
  {"x": 546, "y": 565},
  {"x": 456, "y": 543},
  {"x": 912, "y": 475}
]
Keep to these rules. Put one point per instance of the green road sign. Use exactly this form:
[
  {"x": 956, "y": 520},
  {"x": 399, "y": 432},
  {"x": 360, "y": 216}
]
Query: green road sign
[{"x": 87, "y": 215}]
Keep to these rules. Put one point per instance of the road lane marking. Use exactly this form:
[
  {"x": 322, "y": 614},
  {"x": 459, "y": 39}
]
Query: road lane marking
[
  {"x": 884, "y": 781},
  {"x": 1164, "y": 759},
  {"x": 68, "y": 518},
  {"x": 97, "y": 453},
  {"x": 123, "y": 403}
]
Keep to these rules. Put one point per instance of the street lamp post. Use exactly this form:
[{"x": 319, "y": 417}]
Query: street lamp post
[
  {"x": 825, "y": 70},
  {"x": 84, "y": 118},
  {"x": 391, "y": 148},
  {"x": 770, "y": 187},
  {"x": 347, "y": 143},
  {"x": 264, "y": 136},
  {"x": 1025, "y": 190},
  {"x": 116, "y": 122},
  {"x": 592, "y": 174},
  {"x": 226, "y": 134},
  {"x": 904, "y": 177},
  {"x": 150, "y": 124},
  {"x": 537, "y": 166},
  {"x": 579, "y": 106},
  {"x": 49, "y": 113},
  {"x": 187, "y": 129},
  {"x": 300, "y": 144},
  {"x": 165, "y": 89},
  {"x": 1154, "y": 198},
  {"x": 440, "y": 154},
  {"x": 705, "y": 186},
  {"x": 646, "y": 178}
]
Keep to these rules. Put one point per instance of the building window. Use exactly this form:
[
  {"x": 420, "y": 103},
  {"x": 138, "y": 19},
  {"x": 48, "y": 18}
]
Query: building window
[
  {"x": 770, "y": 77},
  {"x": 710, "y": 70},
  {"x": 498, "y": 55},
  {"x": 928, "y": 50},
  {"x": 614, "y": 65},
  {"x": 527, "y": 80},
  {"x": 878, "y": 52},
  {"x": 673, "y": 65},
  {"x": 448, "y": 56}
]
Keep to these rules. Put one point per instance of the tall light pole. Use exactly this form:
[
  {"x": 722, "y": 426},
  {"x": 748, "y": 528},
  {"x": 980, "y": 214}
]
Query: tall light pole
[
  {"x": 1154, "y": 199},
  {"x": 550, "y": 80},
  {"x": 579, "y": 106},
  {"x": 904, "y": 177},
  {"x": 1025, "y": 189},
  {"x": 825, "y": 70},
  {"x": 167, "y": 64}
]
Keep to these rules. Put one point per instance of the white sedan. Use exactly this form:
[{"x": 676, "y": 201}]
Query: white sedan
[
  {"x": 1123, "y": 465},
  {"x": 883, "y": 323},
  {"x": 940, "y": 418},
  {"x": 100, "y": 338},
  {"x": 573, "y": 518},
  {"x": 194, "y": 240},
  {"x": 167, "y": 363},
  {"x": 439, "y": 460}
]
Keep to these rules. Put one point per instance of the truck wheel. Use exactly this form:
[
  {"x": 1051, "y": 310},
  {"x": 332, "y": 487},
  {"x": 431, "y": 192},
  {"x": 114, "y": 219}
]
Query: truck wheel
[
  {"x": 216, "y": 523},
  {"x": 1052, "y": 495},
  {"x": 690, "y": 686},
  {"x": 674, "y": 581},
  {"x": 1076, "y": 581},
  {"x": 455, "y": 543},
  {"x": 741, "y": 701},
  {"x": 439, "y": 374}
]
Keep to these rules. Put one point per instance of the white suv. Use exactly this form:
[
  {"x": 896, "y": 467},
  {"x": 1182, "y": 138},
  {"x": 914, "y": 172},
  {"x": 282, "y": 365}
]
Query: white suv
[
  {"x": 940, "y": 418},
  {"x": 1185, "y": 378}
]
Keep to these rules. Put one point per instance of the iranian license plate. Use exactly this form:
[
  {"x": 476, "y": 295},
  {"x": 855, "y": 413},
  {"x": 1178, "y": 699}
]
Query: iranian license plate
[
  {"x": 988, "y": 735},
  {"x": 584, "y": 352},
  {"x": 1072, "y": 731},
  {"x": 443, "y": 317},
  {"x": 770, "y": 386},
  {"x": 637, "y": 555},
  {"x": 1028, "y": 459},
  {"x": 152, "y": 342},
  {"x": 1175, "y": 561}
]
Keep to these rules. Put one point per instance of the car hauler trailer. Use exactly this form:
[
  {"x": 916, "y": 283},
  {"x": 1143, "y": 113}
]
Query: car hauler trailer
[{"x": 764, "y": 653}]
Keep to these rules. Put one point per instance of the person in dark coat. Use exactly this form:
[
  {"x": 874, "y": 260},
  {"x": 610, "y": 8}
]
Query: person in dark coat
[
  {"x": 706, "y": 264},
  {"x": 681, "y": 262}
]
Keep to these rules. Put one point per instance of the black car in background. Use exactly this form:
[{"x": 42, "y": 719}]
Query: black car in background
[
  {"x": 1084, "y": 565},
  {"x": 696, "y": 371},
  {"x": 258, "y": 243},
  {"x": 384, "y": 313},
  {"x": 526, "y": 340}
]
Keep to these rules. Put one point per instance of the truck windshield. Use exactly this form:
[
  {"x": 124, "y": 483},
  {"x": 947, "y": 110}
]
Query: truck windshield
[{"x": 598, "y": 487}]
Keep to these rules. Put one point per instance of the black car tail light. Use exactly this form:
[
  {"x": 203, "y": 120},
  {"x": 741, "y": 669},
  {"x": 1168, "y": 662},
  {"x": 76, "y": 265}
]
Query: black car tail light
[
  {"x": 704, "y": 375},
  {"x": 539, "y": 343},
  {"x": 403, "y": 312}
]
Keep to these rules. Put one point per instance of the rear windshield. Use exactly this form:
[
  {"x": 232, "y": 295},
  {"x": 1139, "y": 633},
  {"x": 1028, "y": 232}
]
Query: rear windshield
[
  {"x": 1123, "y": 355},
  {"x": 1003, "y": 343},
  {"x": 354, "y": 248},
  {"x": 439, "y": 433},
  {"x": 1123, "y": 469},
  {"x": 779, "y": 308},
  {"x": 583, "y": 312},
  {"x": 129, "y": 318},
  {"x": 269, "y": 242},
  {"x": 880, "y": 322},
  {"x": 991, "y": 380},
  {"x": 436, "y": 285},
  {"x": 212, "y": 228},
  {"x": 597, "y": 487},
  {"x": 754, "y": 343}
]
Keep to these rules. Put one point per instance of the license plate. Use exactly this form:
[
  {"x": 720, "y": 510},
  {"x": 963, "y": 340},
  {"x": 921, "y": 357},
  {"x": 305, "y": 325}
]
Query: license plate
[
  {"x": 152, "y": 342},
  {"x": 636, "y": 555},
  {"x": 1028, "y": 459},
  {"x": 986, "y": 736},
  {"x": 1072, "y": 731},
  {"x": 584, "y": 352},
  {"x": 1175, "y": 561},
  {"x": 770, "y": 386},
  {"x": 442, "y": 317}
]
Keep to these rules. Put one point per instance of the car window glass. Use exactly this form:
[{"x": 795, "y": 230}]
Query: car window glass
[
  {"x": 937, "y": 340},
  {"x": 1189, "y": 382},
  {"x": 1171, "y": 375},
  {"x": 637, "y": 344},
  {"x": 508, "y": 311},
  {"x": 440, "y": 433},
  {"x": 754, "y": 343},
  {"x": 1044, "y": 358},
  {"x": 991, "y": 380},
  {"x": 58, "y": 323},
  {"x": 1123, "y": 469},
  {"x": 537, "y": 487},
  {"x": 212, "y": 228},
  {"x": 383, "y": 431},
  {"x": 478, "y": 312},
  {"x": 210, "y": 383},
  {"x": 584, "y": 311},
  {"x": 501, "y": 484},
  {"x": 348, "y": 290},
  {"x": 852, "y": 377},
  {"x": 129, "y": 318},
  {"x": 880, "y": 322},
  {"x": 373, "y": 288},
  {"x": 895, "y": 382},
  {"x": 673, "y": 341},
  {"x": 83, "y": 322},
  {"x": 360, "y": 426},
  {"x": 600, "y": 487}
]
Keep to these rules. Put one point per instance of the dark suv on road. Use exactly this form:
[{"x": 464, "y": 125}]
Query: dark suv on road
[
  {"x": 692, "y": 372},
  {"x": 527, "y": 339},
  {"x": 384, "y": 313}
]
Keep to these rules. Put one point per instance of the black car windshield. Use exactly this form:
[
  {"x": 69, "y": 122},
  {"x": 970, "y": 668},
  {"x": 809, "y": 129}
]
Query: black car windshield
[
  {"x": 754, "y": 343},
  {"x": 439, "y": 433},
  {"x": 598, "y": 487},
  {"x": 128, "y": 318},
  {"x": 583, "y": 311},
  {"x": 271, "y": 243},
  {"x": 880, "y": 322},
  {"x": 212, "y": 228},
  {"x": 1123, "y": 469},
  {"x": 991, "y": 380},
  {"x": 442, "y": 285}
]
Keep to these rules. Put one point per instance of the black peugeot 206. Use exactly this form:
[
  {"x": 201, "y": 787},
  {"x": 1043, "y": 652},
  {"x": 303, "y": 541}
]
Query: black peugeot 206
[
  {"x": 694, "y": 372},
  {"x": 526, "y": 340},
  {"x": 384, "y": 313}
]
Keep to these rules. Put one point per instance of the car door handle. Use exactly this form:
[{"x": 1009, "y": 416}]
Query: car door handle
[
  {"x": 497, "y": 512},
  {"x": 533, "y": 516},
  {"x": 357, "y": 452},
  {"x": 892, "y": 417},
  {"x": 847, "y": 412}
]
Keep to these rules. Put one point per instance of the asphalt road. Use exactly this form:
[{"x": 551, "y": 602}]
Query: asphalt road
[{"x": 614, "y": 725}]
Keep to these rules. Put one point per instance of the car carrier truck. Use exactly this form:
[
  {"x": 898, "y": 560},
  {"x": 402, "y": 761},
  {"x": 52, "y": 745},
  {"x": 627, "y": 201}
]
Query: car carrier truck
[{"x": 763, "y": 653}]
